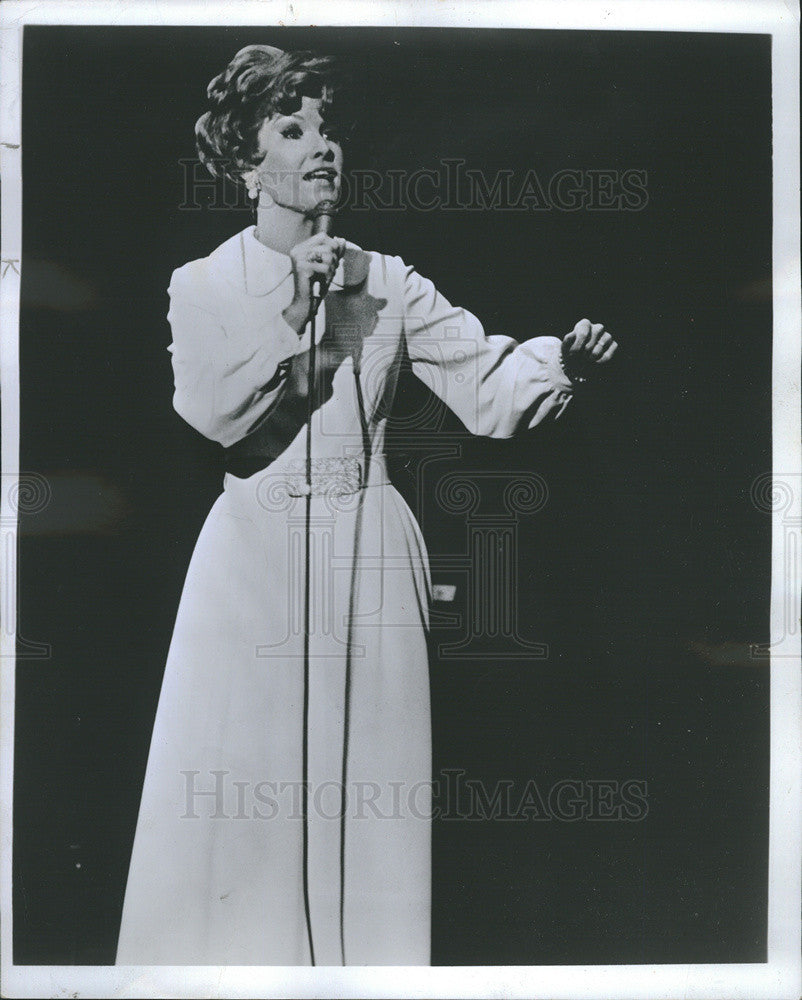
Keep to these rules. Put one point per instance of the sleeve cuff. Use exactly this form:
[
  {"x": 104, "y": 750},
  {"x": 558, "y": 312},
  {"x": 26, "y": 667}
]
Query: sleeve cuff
[{"x": 559, "y": 376}]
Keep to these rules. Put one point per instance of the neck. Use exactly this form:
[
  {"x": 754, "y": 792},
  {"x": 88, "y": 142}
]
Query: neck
[{"x": 281, "y": 228}]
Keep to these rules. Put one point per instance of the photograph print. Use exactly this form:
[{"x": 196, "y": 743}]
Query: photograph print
[{"x": 396, "y": 497}]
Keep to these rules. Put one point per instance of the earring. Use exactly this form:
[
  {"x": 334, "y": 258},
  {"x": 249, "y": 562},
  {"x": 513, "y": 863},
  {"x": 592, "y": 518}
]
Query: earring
[{"x": 253, "y": 194}]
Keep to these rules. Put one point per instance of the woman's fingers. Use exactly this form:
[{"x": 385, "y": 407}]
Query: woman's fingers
[
  {"x": 589, "y": 342},
  {"x": 602, "y": 344},
  {"x": 589, "y": 338},
  {"x": 322, "y": 249},
  {"x": 322, "y": 257},
  {"x": 581, "y": 333},
  {"x": 316, "y": 261},
  {"x": 314, "y": 258},
  {"x": 336, "y": 244},
  {"x": 596, "y": 331},
  {"x": 608, "y": 353},
  {"x": 586, "y": 334}
]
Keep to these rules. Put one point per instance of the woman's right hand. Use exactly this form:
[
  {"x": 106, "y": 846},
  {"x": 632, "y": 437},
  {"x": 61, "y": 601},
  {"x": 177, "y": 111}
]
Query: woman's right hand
[{"x": 316, "y": 257}]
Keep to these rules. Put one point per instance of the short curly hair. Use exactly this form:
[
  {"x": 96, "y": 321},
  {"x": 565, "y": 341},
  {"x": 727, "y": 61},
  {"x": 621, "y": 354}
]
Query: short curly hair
[{"x": 258, "y": 83}]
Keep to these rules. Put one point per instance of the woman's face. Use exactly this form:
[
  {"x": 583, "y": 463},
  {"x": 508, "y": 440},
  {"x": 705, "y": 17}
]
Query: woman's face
[{"x": 303, "y": 159}]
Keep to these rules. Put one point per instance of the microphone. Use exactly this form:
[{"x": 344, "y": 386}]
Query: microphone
[{"x": 322, "y": 222}]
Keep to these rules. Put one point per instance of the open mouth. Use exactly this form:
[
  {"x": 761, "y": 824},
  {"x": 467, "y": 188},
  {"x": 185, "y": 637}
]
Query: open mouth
[{"x": 322, "y": 174}]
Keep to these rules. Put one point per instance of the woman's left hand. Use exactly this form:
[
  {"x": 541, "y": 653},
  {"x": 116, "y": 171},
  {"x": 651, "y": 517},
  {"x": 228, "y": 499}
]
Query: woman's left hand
[{"x": 587, "y": 346}]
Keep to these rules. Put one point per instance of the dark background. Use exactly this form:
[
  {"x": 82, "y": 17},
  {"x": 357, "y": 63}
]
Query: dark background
[{"x": 646, "y": 573}]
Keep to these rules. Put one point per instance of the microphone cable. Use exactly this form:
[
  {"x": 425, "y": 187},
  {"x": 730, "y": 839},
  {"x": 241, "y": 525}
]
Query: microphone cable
[
  {"x": 307, "y": 588},
  {"x": 322, "y": 222}
]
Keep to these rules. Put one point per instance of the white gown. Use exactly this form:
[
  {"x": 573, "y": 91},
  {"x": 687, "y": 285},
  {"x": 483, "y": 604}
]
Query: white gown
[{"x": 216, "y": 875}]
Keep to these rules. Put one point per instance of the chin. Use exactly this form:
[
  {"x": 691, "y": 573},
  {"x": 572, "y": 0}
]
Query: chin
[{"x": 325, "y": 192}]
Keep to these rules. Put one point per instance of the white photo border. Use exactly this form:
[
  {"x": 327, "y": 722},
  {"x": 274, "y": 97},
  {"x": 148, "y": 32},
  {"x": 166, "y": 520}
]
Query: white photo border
[{"x": 780, "y": 977}]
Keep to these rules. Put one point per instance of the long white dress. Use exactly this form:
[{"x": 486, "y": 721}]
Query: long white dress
[{"x": 216, "y": 873}]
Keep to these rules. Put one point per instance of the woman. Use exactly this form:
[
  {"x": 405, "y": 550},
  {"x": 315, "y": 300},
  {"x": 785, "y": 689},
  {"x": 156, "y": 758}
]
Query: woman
[{"x": 285, "y": 817}]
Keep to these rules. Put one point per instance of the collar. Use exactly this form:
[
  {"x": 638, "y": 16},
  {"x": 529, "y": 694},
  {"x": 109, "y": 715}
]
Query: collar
[{"x": 259, "y": 270}]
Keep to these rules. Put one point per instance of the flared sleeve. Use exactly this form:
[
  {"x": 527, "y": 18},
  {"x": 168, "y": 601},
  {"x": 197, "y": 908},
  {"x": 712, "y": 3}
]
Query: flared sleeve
[
  {"x": 496, "y": 386},
  {"x": 227, "y": 380}
]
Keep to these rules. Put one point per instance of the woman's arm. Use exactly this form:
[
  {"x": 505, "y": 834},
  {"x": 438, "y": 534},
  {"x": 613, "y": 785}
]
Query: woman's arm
[
  {"x": 495, "y": 385},
  {"x": 226, "y": 381}
]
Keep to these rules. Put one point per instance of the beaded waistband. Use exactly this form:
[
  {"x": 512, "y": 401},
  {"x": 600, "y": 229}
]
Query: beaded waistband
[{"x": 331, "y": 475}]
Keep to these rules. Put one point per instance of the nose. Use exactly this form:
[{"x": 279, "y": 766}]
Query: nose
[{"x": 323, "y": 148}]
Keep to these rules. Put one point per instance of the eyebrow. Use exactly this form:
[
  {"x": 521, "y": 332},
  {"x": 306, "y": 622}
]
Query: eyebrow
[{"x": 298, "y": 116}]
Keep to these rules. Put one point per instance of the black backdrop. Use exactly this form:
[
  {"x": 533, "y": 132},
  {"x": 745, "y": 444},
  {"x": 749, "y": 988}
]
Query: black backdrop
[{"x": 646, "y": 572}]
